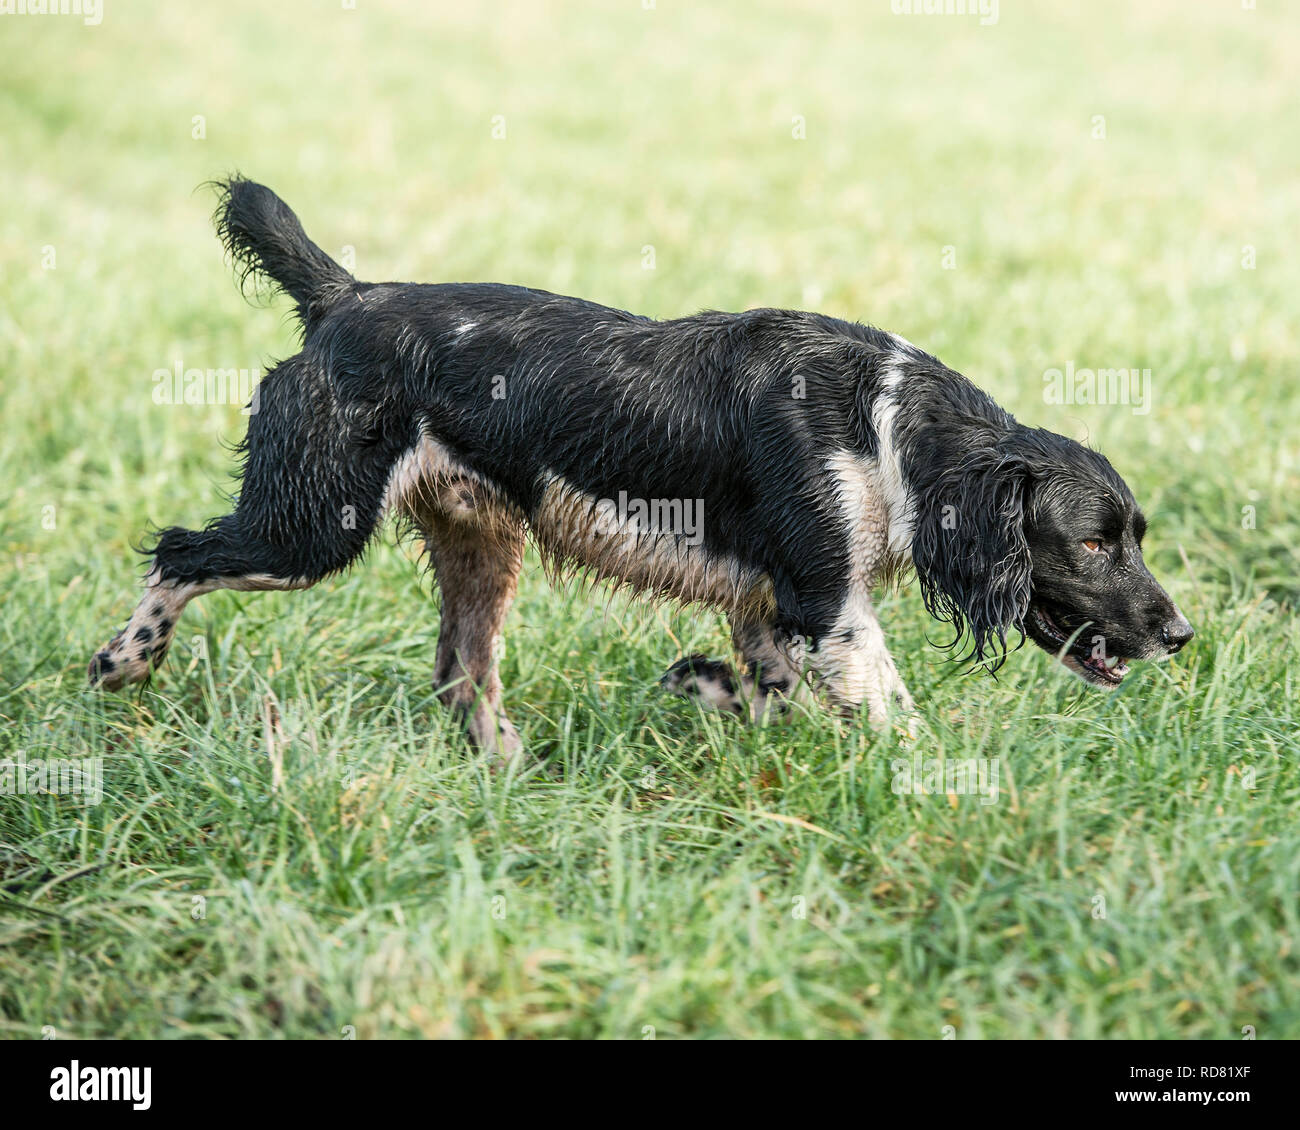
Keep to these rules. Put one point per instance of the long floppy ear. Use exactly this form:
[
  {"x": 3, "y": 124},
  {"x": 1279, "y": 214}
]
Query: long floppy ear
[{"x": 970, "y": 490}]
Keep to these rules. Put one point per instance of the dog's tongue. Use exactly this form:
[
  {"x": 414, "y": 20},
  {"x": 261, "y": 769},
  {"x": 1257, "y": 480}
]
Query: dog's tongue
[{"x": 1115, "y": 666}]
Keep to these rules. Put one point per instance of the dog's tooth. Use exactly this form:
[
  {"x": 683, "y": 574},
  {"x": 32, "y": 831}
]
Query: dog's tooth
[{"x": 1112, "y": 661}]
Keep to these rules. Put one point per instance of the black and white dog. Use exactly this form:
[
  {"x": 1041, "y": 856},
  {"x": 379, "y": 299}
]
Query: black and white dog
[{"x": 776, "y": 464}]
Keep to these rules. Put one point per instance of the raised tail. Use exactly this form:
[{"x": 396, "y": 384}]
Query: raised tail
[{"x": 265, "y": 240}]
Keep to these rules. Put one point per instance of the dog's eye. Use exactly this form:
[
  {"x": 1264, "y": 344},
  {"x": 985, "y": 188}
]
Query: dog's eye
[{"x": 1094, "y": 545}]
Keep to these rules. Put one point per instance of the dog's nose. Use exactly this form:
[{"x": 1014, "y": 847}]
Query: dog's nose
[{"x": 1176, "y": 633}]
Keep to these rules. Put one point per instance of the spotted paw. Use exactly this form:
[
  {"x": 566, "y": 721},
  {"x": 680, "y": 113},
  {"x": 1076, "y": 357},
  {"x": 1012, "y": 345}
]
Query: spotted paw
[
  {"x": 129, "y": 657},
  {"x": 713, "y": 681}
]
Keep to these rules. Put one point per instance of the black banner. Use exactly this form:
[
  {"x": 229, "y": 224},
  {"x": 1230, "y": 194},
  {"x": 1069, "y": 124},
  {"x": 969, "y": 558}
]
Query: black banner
[{"x": 364, "y": 1077}]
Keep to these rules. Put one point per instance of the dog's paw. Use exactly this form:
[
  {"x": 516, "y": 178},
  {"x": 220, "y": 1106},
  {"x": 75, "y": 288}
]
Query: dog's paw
[
  {"x": 712, "y": 681},
  {"x": 906, "y": 727},
  {"x": 903, "y": 716},
  {"x": 893, "y": 712},
  {"x": 494, "y": 733},
  {"x": 126, "y": 660}
]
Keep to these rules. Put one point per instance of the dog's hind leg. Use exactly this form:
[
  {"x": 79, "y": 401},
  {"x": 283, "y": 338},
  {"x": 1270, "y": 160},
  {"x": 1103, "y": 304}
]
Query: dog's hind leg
[
  {"x": 477, "y": 550},
  {"x": 313, "y": 490},
  {"x": 135, "y": 651}
]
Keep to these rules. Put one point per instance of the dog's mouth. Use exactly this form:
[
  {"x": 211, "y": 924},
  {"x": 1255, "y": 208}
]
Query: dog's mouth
[{"x": 1045, "y": 630}]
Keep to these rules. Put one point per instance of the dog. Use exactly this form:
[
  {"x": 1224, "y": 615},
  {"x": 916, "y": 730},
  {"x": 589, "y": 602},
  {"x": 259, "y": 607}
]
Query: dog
[{"x": 815, "y": 458}]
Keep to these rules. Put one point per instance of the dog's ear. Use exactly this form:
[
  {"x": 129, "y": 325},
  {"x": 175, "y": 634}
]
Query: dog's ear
[{"x": 970, "y": 492}]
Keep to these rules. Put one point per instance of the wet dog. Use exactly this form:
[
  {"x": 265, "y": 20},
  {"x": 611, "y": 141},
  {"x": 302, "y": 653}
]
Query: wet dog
[{"x": 775, "y": 464}]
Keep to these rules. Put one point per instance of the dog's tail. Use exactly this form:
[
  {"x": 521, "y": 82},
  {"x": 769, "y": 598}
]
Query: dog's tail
[{"x": 264, "y": 238}]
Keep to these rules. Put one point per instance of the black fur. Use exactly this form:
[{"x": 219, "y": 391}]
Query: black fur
[
  {"x": 267, "y": 242},
  {"x": 698, "y": 407}
]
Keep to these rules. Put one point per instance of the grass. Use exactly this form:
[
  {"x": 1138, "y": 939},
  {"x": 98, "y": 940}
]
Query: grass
[{"x": 292, "y": 840}]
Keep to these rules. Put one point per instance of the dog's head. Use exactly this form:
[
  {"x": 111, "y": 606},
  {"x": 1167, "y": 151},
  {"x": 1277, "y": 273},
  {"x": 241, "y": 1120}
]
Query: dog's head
[
  {"x": 1093, "y": 600},
  {"x": 1025, "y": 529}
]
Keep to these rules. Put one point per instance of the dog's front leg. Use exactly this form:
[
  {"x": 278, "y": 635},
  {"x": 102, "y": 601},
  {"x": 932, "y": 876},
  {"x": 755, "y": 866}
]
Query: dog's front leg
[
  {"x": 852, "y": 662},
  {"x": 767, "y": 684}
]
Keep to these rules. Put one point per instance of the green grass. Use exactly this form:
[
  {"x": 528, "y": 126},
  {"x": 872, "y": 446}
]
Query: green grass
[{"x": 650, "y": 868}]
